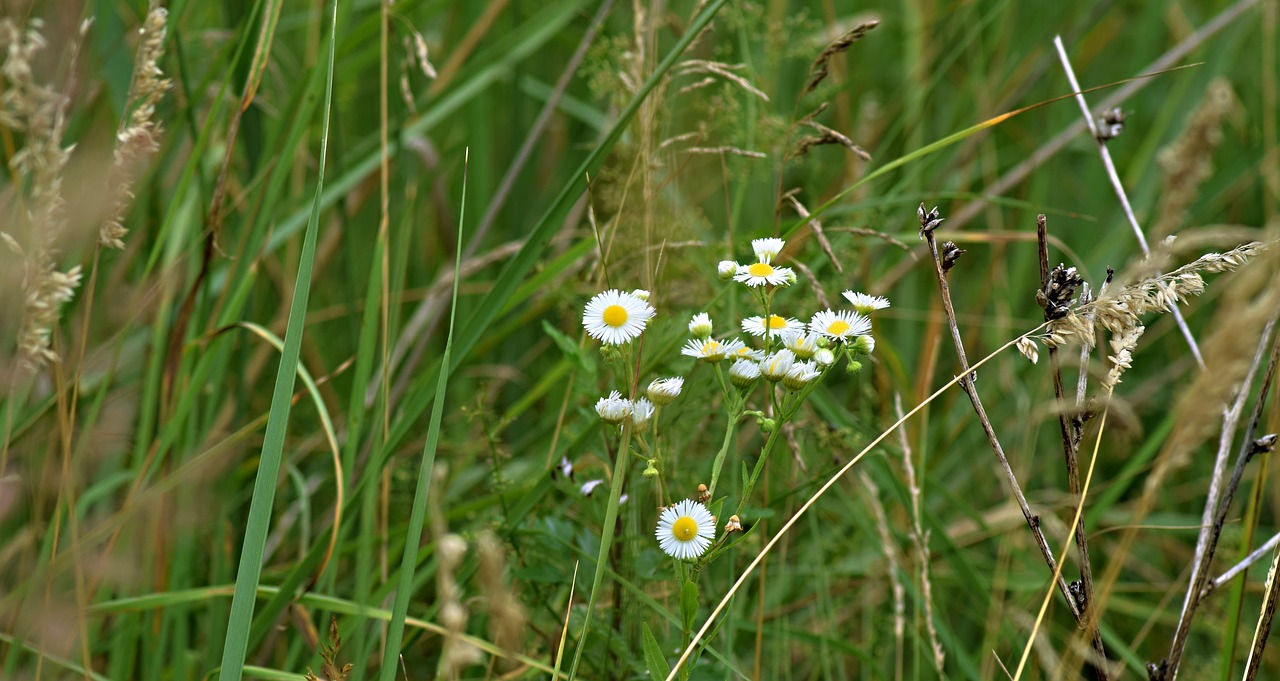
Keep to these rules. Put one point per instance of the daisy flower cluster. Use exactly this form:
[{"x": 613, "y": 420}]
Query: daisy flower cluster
[
  {"x": 790, "y": 355},
  {"x": 794, "y": 353}
]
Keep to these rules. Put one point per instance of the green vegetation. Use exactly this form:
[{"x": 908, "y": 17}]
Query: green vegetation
[{"x": 296, "y": 383}]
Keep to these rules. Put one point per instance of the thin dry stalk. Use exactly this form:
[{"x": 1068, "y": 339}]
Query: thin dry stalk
[
  {"x": 1239, "y": 568},
  {"x": 929, "y": 221},
  {"x": 920, "y": 538},
  {"x": 1119, "y": 188},
  {"x": 895, "y": 581},
  {"x": 1057, "y": 289},
  {"x": 1265, "y": 619},
  {"x": 1168, "y": 668}
]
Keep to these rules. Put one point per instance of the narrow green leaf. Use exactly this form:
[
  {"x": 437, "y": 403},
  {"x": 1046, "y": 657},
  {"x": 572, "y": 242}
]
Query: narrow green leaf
[
  {"x": 689, "y": 604},
  {"x": 418, "y": 516},
  {"x": 658, "y": 667},
  {"x": 264, "y": 488}
]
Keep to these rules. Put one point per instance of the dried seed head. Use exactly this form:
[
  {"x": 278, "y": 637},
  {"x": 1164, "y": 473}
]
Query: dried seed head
[
  {"x": 929, "y": 220},
  {"x": 950, "y": 254},
  {"x": 1110, "y": 124},
  {"x": 734, "y": 525},
  {"x": 1027, "y": 347},
  {"x": 704, "y": 495},
  {"x": 1059, "y": 291}
]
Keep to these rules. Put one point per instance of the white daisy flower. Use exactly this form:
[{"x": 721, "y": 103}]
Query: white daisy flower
[
  {"x": 800, "y": 374},
  {"x": 824, "y": 357},
  {"x": 613, "y": 409},
  {"x": 840, "y": 325},
  {"x": 641, "y": 294},
  {"x": 757, "y": 326},
  {"x": 664, "y": 391},
  {"x": 864, "y": 345},
  {"x": 744, "y": 372},
  {"x": 614, "y": 317},
  {"x": 710, "y": 350},
  {"x": 700, "y": 325},
  {"x": 641, "y": 412},
  {"x": 685, "y": 530},
  {"x": 775, "y": 366},
  {"x": 727, "y": 268},
  {"x": 866, "y": 304},
  {"x": 767, "y": 249},
  {"x": 801, "y": 344},
  {"x": 762, "y": 273}
]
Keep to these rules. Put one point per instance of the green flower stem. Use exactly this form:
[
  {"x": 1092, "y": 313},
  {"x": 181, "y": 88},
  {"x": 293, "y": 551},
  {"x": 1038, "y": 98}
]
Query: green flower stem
[
  {"x": 623, "y": 462},
  {"x": 755, "y": 473},
  {"x": 724, "y": 450}
]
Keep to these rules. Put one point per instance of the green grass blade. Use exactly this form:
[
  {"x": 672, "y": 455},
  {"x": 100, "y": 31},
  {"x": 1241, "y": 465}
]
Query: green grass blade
[
  {"x": 417, "y": 517},
  {"x": 249, "y": 572}
]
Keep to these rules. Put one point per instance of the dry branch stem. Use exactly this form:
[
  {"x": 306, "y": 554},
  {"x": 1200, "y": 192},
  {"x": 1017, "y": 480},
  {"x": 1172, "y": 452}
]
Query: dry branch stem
[
  {"x": 966, "y": 384},
  {"x": 1070, "y": 425},
  {"x": 1119, "y": 189},
  {"x": 1240, "y": 567},
  {"x": 1168, "y": 669},
  {"x": 1265, "y": 618}
]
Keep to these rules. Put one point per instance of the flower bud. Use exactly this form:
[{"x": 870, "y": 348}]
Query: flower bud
[
  {"x": 824, "y": 357},
  {"x": 727, "y": 268},
  {"x": 700, "y": 326},
  {"x": 664, "y": 391},
  {"x": 864, "y": 345}
]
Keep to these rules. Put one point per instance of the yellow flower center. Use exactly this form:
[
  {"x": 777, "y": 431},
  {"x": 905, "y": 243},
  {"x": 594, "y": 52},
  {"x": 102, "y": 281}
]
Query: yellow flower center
[
  {"x": 760, "y": 269},
  {"x": 615, "y": 315},
  {"x": 684, "y": 528},
  {"x": 776, "y": 322},
  {"x": 838, "y": 327},
  {"x": 711, "y": 347}
]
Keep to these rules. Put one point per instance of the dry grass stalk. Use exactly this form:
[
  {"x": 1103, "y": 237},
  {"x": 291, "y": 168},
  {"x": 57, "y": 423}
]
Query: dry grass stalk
[
  {"x": 39, "y": 113},
  {"x": 891, "y": 556},
  {"x": 821, "y": 67},
  {"x": 825, "y": 136},
  {"x": 1188, "y": 161},
  {"x": 920, "y": 538},
  {"x": 507, "y": 617},
  {"x": 139, "y": 132},
  {"x": 715, "y": 68},
  {"x": 329, "y": 653}
]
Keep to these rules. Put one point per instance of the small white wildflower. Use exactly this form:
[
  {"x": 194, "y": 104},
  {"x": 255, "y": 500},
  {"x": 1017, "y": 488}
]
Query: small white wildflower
[
  {"x": 590, "y": 486},
  {"x": 664, "y": 391},
  {"x": 841, "y": 325},
  {"x": 641, "y": 412},
  {"x": 767, "y": 249},
  {"x": 700, "y": 325},
  {"x": 710, "y": 350},
  {"x": 744, "y": 372},
  {"x": 614, "y": 317},
  {"x": 802, "y": 344},
  {"x": 800, "y": 374},
  {"x": 864, "y": 303},
  {"x": 685, "y": 530},
  {"x": 762, "y": 273},
  {"x": 613, "y": 409},
  {"x": 757, "y": 326},
  {"x": 824, "y": 357},
  {"x": 775, "y": 366},
  {"x": 641, "y": 294},
  {"x": 727, "y": 268}
]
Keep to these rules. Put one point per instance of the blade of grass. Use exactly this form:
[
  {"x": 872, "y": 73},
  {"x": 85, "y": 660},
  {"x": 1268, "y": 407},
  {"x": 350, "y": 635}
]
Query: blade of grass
[
  {"x": 250, "y": 570},
  {"x": 417, "y": 517}
]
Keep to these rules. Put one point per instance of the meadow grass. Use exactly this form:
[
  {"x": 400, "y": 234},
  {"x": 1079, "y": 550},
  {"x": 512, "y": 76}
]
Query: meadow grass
[{"x": 297, "y": 385}]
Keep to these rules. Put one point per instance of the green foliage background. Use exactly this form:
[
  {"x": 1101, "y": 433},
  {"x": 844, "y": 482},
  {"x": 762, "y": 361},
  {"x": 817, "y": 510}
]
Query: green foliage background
[{"x": 123, "y": 511}]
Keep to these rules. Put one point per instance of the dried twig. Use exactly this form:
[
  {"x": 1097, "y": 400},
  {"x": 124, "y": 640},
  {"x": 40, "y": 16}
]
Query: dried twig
[
  {"x": 920, "y": 538},
  {"x": 1057, "y": 287},
  {"x": 929, "y": 221},
  {"x": 1119, "y": 188},
  {"x": 1265, "y": 618},
  {"x": 1239, "y": 568}
]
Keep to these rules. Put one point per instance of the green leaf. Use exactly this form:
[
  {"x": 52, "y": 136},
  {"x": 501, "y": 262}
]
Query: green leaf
[
  {"x": 689, "y": 604},
  {"x": 658, "y": 667},
  {"x": 569, "y": 348}
]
